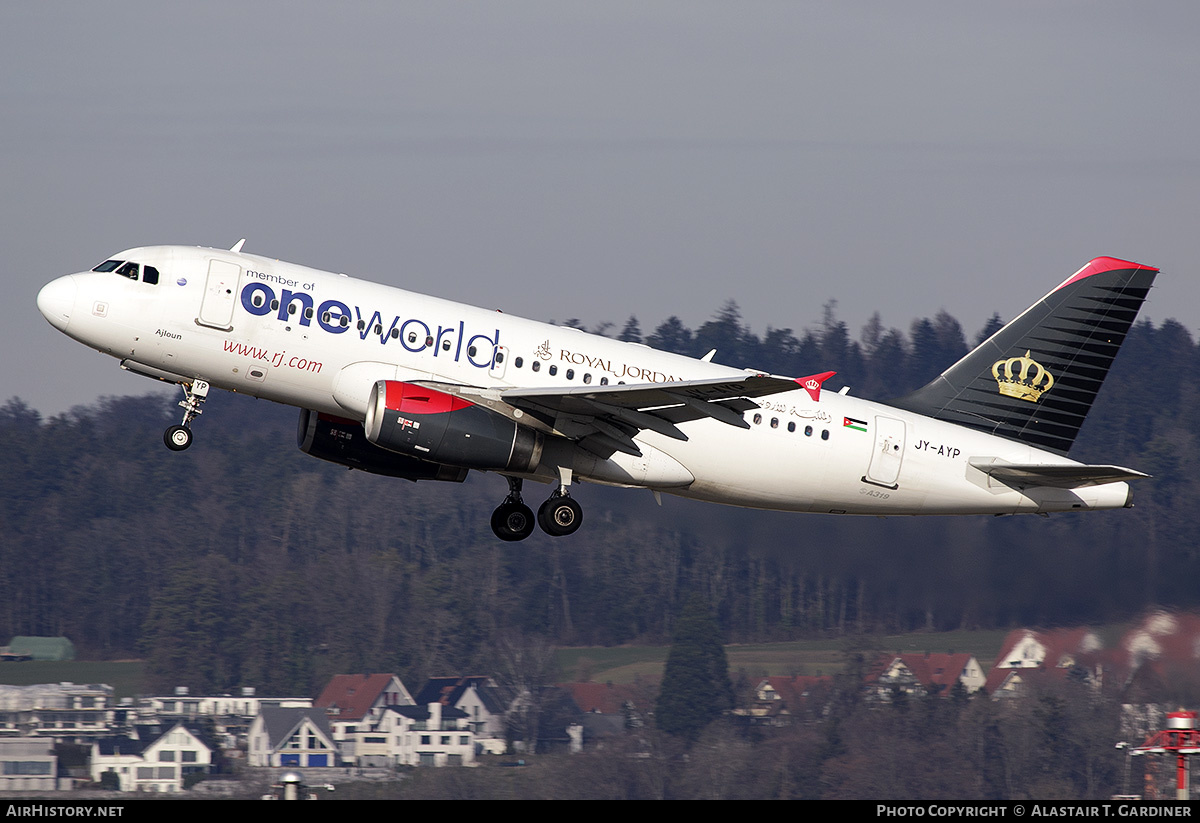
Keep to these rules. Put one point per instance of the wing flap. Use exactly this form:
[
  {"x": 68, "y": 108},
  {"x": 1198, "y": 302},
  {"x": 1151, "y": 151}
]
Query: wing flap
[
  {"x": 1059, "y": 476},
  {"x": 605, "y": 413}
]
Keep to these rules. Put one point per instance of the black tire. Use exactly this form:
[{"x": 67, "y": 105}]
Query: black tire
[
  {"x": 560, "y": 516},
  {"x": 177, "y": 438},
  {"x": 512, "y": 521}
]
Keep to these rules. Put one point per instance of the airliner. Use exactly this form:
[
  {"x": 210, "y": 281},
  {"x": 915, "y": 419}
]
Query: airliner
[{"x": 416, "y": 387}]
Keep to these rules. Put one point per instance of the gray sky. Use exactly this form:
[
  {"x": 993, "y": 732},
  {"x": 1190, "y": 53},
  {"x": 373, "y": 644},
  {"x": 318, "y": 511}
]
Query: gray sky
[{"x": 597, "y": 160}]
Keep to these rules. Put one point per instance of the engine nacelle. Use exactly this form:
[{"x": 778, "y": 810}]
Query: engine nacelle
[
  {"x": 342, "y": 441},
  {"x": 432, "y": 425}
]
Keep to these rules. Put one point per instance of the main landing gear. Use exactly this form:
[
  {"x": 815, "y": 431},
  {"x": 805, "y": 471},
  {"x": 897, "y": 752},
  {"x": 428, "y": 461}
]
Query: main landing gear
[
  {"x": 559, "y": 516},
  {"x": 512, "y": 519},
  {"x": 179, "y": 437}
]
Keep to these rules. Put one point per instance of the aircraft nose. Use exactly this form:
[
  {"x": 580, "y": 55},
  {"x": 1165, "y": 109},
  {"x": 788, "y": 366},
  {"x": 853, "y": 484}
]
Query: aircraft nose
[{"x": 56, "y": 301}]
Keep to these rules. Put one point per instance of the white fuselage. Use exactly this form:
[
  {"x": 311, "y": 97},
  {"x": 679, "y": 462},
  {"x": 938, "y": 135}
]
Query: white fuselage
[{"x": 212, "y": 317}]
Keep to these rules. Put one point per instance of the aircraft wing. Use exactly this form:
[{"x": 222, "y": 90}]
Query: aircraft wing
[
  {"x": 605, "y": 419},
  {"x": 1055, "y": 475}
]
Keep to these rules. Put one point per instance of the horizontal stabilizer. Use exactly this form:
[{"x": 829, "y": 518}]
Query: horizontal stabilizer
[{"x": 1069, "y": 476}]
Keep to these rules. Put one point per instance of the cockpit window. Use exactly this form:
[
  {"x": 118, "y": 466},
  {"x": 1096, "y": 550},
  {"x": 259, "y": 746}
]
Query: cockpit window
[{"x": 149, "y": 274}]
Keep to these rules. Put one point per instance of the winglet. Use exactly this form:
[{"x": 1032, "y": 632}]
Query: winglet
[
  {"x": 812, "y": 383},
  {"x": 238, "y": 245}
]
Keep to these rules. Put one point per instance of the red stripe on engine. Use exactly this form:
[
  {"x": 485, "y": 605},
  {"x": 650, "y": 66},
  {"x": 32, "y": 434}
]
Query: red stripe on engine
[{"x": 413, "y": 399}]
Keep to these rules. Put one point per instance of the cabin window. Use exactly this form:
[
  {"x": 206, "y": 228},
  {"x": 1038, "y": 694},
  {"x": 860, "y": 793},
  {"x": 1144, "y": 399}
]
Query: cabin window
[
  {"x": 757, "y": 419},
  {"x": 274, "y": 305},
  {"x": 291, "y": 308},
  {"x": 445, "y": 345},
  {"x": 603, "y": 381},
  {"x": 379, "y": 328},
  {"x": 808, "y": 431},
  {"x": 791, "y": 426},
  {"x": 428, "y": 341},
  {"x": 362, "y": 324},
  {"x": 470, "y": 351},
  {"x": 519, "y": 362},
  {"x": 499, "y": 357},
  {"x": 570, "y": 374},
  {"x": 537, "y": 365},
  {"x": 774, "y": 422},
  {"x": 395, "y": 334},
  {"x": 553, "y": 370},
  {"x": 587, "y": 378},
  {"x": 345, "y": 321},
  {"x": 257, "y": 300},
  {"x": 412, "y": 337},
  {"x": 308, "y": 313},
  {"x": 824, "y": 434}
]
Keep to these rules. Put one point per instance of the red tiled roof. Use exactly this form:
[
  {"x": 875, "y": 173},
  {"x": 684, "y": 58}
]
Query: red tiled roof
[
  {"x": 600, "y": 698},
  {"x": 353, "y": 694},
  {"x": 794, "y": 690},
  {"x": 928, "y": 668}
]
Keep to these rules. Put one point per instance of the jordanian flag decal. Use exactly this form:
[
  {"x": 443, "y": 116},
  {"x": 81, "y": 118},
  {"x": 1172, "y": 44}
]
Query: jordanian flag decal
[{"x": 857, "y": 425}]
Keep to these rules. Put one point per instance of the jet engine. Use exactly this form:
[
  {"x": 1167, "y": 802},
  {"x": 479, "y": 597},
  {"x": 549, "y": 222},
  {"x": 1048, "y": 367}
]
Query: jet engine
[
  {"x": 342, "y": 441},
  {"x": 432, "y": 425}
]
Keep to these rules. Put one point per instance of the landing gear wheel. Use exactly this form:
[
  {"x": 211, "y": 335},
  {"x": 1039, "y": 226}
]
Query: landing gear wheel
[
  {"x": 177, "y": 438},
  {"x": 560, "y": 516},
  {"x": 512, "y": 521}
]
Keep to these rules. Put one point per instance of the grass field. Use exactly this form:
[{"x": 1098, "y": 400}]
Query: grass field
[
  {"x": 623, "y": 664},
  {"x": 124, "y": 676},
  {"x": 619, "y": 664}
]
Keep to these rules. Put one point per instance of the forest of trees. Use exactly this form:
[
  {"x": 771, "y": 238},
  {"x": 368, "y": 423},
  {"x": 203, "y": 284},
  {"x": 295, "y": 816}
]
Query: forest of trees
[{"x": 244, "y": 562}]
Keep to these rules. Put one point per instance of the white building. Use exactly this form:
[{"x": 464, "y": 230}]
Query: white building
[
  {"x": 27, "y": 764},
  {"x": 295, "y": 738},
  {"x": 151, "y": 763},
  {"x": 432, "y": 735}
]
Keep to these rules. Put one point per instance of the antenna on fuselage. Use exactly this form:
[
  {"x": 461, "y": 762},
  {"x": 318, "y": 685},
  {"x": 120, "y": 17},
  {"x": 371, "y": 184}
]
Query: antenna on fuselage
[{"x": 238, "y": 245}]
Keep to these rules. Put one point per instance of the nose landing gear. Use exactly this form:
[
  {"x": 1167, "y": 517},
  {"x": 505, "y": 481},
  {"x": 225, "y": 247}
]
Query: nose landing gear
[{"x": 179, "y": 437}]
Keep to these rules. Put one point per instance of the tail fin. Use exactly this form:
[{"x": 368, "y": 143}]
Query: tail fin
[{"x": 1036, "y": 378}]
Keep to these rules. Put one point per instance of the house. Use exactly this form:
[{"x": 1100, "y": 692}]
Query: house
[
  {"x": 291, "y": 737},
  {"x": 151, "y": 761},
  {"x": 40, "y": 648},
  {"x": 64, "y": 711},
  {"x": 231, "y": 714},
  {"x": 27, "y": 764},
  {"x": 477, "y": 695},
  {"x": 355, "y": 702},
  {"x": 430, "y": 735},
  {"x": 925, "y": 674},
  {"x": 777, "y": 699},
  {"x": 604, "y": 711},
  {"x": 1053, "y": 648}
]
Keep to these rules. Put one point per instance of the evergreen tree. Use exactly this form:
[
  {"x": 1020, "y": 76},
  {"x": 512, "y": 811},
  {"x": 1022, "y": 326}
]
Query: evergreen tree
[
  {"x": 695, "y": 687},
  {"x": 632, "y": 333}
]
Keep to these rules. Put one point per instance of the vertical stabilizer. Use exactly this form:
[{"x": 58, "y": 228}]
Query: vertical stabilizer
[{"x": 1036, "y": 378}]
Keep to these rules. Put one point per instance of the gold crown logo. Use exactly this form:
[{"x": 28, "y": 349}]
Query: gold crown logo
[{"x": 1016, "y": 380}]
